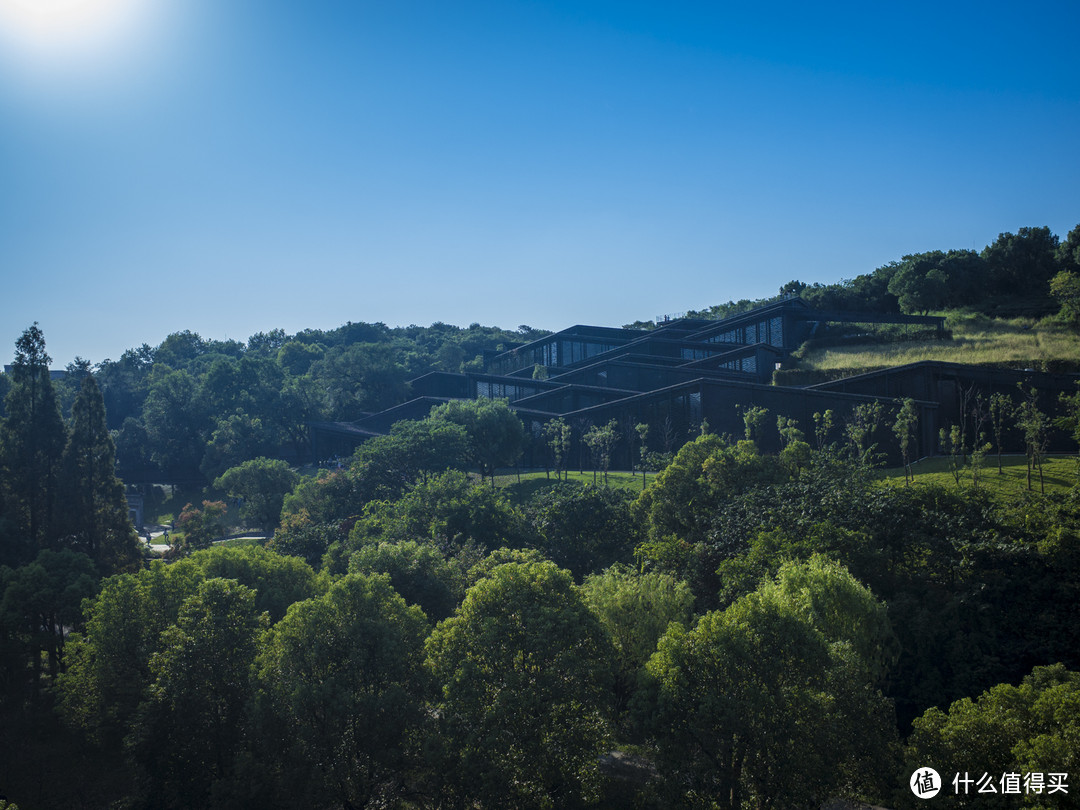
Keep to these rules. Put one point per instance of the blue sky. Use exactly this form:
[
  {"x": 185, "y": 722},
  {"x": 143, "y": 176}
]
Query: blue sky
[{"x": 235, "y": 167}]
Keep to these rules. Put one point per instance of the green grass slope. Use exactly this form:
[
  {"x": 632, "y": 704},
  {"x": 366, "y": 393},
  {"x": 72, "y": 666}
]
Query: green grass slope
[
  {"x": 1044, "y": 345},
  {"x": 533, "y": 482},
  {"x": 1060, "y": 473}
]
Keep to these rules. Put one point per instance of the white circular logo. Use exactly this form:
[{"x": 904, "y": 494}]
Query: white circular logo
[{"x": 925, "y": 783}]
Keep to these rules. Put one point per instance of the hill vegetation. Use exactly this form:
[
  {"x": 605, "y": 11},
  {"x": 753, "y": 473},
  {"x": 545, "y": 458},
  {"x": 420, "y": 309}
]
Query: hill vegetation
[{"x": 1032, "y": 273}]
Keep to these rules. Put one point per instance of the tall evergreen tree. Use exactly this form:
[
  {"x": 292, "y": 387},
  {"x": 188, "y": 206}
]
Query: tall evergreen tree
[
  {"x": 31, "y": 445},
  {"x": 92, "y": 513}
]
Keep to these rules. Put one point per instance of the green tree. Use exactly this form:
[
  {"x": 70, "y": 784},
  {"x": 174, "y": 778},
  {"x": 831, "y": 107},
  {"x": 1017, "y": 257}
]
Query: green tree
[
  {"x": 584, "y": 529},
  {"x": 642, "y": 430},
  {"x": 177, "y": 424},
  {"x": 679, "y": 509},
  {"x": 496, "y": 435},
  {"x": 31, "y": 447},
  {"x": 124, "y": 384},
  {"x": 190, "y": 726},
  {"x": 299, "y": 536},
  {"x": 344, "y": 677},
  {"x": 1068, "y": 253},
  {"x": 266, "y": 343},
  {"x": 1035, "y": 426},
  {"x": 93, "y": 512},
  {"x": 379, "y": 471},
  {"x": 180, "y": 349},
  {"x": 67, "y": 387},
  {"x": 482, "y": 568},
  {"x": 662, "y": 508},
  {"x": 337, "y": 495},
  {"x": 5, "y": 386},
  {"x": 235, "y": 439},
  {"x": 277, "y": 580},
  {"x": 361, "y": 378},
  {"x": 40, "y": 604},
  {"x": 414, "y": 450},
  {"x": 1030, "y": 728},
  {"x": 417, "y": 571},
  {"x": 788, "y": 429},
  {"x": 979, "y": 449},
  {"x": 108, "y": 667},
  {"x": 952, "y": 444},
  {"x": 843, "y": 609},
  {"x": 905, "y": 427},
  {"x": 1065, "y": 287},
  {"x": 296, "y": 357},
  {"x": 754, "y": 420},
  {"x": 262, "y": 484},
  {"x": 636, "y": 609},
  {"x": 1001, "y": 408},
  {"x": 1022, "y": 263},
  {"x": 108, "y": 664},
  {"x": 823, "y": 426},
  {"x": 448, "y": 510},
  {"x": 769, "y": 703},
  {"x": 860, "y": 429},
  {"x": 132, "y": 448},
  {"x": 558, "y": 435},
  {"x": 523, "y": 667},
  {"x": 921, "y": 282},
  {"x": 1069, "y": 420},
  {"x": 601, "y": 441},
  {"x": 300, "y": 402}
]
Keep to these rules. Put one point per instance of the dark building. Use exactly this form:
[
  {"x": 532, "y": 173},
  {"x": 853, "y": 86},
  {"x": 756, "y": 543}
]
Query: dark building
[{"x": 689, "y": 371}]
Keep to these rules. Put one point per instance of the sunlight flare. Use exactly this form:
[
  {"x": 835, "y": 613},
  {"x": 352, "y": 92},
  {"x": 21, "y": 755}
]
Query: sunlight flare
[{"x": 53, "y": 29}]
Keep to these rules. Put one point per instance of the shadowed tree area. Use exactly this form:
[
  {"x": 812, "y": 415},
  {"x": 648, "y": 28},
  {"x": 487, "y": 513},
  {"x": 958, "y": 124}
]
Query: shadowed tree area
[{"x": 524, "y": 708}]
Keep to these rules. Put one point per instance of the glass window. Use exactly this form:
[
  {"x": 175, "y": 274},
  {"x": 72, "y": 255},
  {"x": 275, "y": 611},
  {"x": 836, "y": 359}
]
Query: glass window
[{"x": 776, "y": 332}]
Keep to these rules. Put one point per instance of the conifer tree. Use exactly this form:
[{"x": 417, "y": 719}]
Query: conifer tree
[
  {"x": 31, "y": 445},
  {"x": 92, "y": 513}
]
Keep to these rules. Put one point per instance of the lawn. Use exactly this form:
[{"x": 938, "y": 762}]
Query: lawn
[
  {"x": 535, "y": 481},
  {"x": 1059, "y": 474}
]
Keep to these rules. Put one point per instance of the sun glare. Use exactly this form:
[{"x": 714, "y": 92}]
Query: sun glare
[{"x": 68, "y": 30}]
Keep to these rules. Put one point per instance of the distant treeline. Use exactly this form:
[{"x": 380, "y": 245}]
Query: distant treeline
[{"x": 191, "y": 408}]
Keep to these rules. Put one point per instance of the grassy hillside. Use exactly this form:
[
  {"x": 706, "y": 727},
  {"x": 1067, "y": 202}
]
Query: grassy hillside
[
  {"x": 1060, "y": 473},
  {"x": 1046, "y": 345}
]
